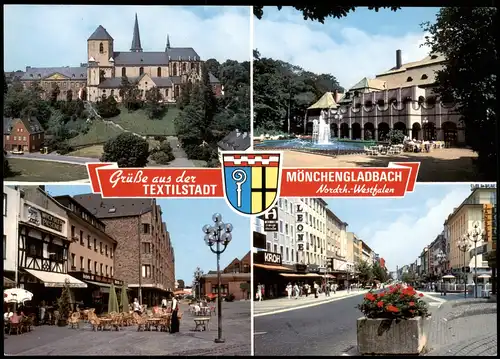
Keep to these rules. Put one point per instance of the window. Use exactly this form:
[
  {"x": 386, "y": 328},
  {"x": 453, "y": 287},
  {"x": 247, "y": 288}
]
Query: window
[
  {"x": 275, "y": 248},
  {"x": 146, "y": 228},
  {"x": 5, "y": 205},
  {"x": 281, "y": 226},
  {"x": 81, "y": 238},
  {"x": 100, "y": 268},
  {"x": 141, "y": 71},
  {"x": 111, "y": 271},
  {"x": 146, "y": 248},
  {"x": 184, "y": 68},
  {"x": 73, "y": 264},
  {"x": 89, "y": 242},
  {"x": 72, "y": 232},
  {"x": 158, "y": 72},
  {"x": 174, "y": 70},
  {"x": 101, "y": 48},
  {"x": 106, "y": 270},
  {"x": 409, "y": 79},
  {"x": 89, "y": 265},
  {"x": 106, "y": 249},
  {"x": 146, "y": 271},
  {"x": 100, "y": 246},
  {"x": 268, "y": 247},
  {"x": 81, "y": 263},
  {"x": 124, "y": 72},
  {"x": 424, "y": 77},
  {"x": 111, "y": 251},
  {"x": 95, "y": 267},
  {"x": 4, "y": 246}
]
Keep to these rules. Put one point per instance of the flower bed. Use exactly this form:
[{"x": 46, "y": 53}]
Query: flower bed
[{"x": 394, "y": 322}]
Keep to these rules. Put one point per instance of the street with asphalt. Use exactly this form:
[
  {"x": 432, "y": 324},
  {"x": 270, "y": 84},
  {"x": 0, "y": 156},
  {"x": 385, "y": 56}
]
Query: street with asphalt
[{"x": 328, "y": 326}]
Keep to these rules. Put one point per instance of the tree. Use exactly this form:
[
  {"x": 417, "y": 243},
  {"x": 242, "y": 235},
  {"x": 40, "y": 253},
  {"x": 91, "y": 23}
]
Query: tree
[
  {"x": 64, "y": 302},
  {"x": 379, "y": 273},
  {"x": 180, "y": 284},
  {"x": 395, "y": 137},
  {"x": 54, "y": 93},
  {"x": 7, "y": 171},
  {"x": 127, "y": 150},
  {"x": 154, "y": 105},
  {"x": 130, "y": 94},
  {"x": 107, "y": 107},
  {"x": 69, "y": 96},
  {"x": 282, "y": 91},
  {"x": 409, "y": 277},
  {"x": 466, "y": 36},
  {"x": 5, "y": 84},
  {"x": 364, "y": 271},
  {"x": 164, "y": 154},
  {"x": 320, "y": 13},
  {"x": 185, "y": 95},
  {"x": 244, "y": 288}
]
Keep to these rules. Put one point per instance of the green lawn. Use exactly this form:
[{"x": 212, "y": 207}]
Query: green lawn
[
  {"x": 45, "y": 171},
  {"x": 98, "y": 132},
  {"x": 139, "y": 122},
  {"x": 90, "y": 152}
]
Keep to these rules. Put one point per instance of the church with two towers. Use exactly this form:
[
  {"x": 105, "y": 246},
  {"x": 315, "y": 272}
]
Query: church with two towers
[{"x": 101, "y": 76}]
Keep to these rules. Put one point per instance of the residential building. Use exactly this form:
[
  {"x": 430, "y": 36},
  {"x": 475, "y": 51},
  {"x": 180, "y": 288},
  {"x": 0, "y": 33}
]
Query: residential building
[
  {"x": 235, "y": 279},
  {"x": 366, "y": 252},
  {"x": 11, "y": 211},
  {"x": 22, "y": 134},
  {"x": 143, "y": 242},
  {"x": 43, "y": 245},
  {"x": 337, "y": 243},
  {"x": 350, "y": 247},
  {"x": 356, "y": 247},
  {"x": 234, "y": 141},
  {"x": 101, "y": 75},
  {"x": 91, "y": 252},
  {"x": 401, "y": 98},
  {"x": 462, "y": 221}
]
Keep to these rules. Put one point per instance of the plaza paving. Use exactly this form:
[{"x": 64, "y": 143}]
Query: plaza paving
[
  {"x": 51, "y": 340},
  {"x": 443, "y": 165}
]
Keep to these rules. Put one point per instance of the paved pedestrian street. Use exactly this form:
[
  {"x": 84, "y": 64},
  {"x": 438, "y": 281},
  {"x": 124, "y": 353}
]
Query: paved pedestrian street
[
  {"x": 51, "y": 340},
  {"x": 458, "y": 327}
]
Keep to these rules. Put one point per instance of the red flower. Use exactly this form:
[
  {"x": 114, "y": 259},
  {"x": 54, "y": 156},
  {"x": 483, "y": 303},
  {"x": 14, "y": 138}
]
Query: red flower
[
  {"x": 412, "y": 311},
  {"x": 412, "y": 304},
  {"x": 380, "y": 304},
  {"x": 392, "y": 309},
  {"x": 420, "y": 295},
  {"x": 381, "y": 294},
  {"x": 370, "y": 297}
]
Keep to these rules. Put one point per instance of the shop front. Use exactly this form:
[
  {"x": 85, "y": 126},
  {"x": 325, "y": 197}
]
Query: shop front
[{"x": 96, "y": 294}]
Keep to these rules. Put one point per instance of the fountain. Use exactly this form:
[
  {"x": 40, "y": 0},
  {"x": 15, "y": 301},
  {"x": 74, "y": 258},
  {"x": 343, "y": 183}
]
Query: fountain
[{"x": 323, "y": 130}]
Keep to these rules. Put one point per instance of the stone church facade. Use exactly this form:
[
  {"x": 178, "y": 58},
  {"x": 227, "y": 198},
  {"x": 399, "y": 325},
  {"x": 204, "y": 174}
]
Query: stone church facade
[{"x": 101, "y": 76}]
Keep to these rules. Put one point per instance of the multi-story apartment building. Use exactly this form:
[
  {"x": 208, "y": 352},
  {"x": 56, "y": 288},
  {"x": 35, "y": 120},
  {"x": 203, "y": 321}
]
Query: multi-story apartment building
[
  {"x": 283, "y": 241},
  {"x": 356, "y": 247},
  {"x": 143, "y": 242},
  {"x": 314, "y": 210},
  {"x": 366, "y": 252},
  {"x": 461, "y": 222},
  {"x": 337, "y": 243},
  {"x": 43, "y": 245},
  {"x": 91, "y": 251}
]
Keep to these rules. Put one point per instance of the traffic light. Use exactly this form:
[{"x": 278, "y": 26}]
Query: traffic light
[{"x": 329, "y": 264}]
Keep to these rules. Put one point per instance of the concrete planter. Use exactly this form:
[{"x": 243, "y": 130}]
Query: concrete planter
[{"x": 384, "y": 336}]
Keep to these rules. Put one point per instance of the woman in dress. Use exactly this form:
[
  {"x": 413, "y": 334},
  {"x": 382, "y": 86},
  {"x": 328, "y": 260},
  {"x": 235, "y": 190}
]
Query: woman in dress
[{"x": 174, "y": 325}]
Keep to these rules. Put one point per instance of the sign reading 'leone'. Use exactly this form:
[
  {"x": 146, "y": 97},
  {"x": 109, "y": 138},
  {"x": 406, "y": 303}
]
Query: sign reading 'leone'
[{"x": 300, "y": 227}]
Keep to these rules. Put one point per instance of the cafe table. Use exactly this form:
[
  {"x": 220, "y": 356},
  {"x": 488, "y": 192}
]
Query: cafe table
[
  {"x": 106, "y": 322},
  {"x": 153, "y": 322}
]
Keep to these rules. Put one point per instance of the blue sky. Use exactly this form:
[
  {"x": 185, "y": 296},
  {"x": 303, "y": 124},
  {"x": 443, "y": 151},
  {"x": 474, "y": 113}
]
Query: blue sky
[
  {"x": 398, "y": 229},
  {"x": 56, "y": 35},
  {"x": 184, "y": 219},
  {"x": 360, "y": 45}
]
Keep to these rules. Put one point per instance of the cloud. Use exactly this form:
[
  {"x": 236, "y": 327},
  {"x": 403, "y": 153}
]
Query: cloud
[
  {"x": 401, "y": 241},
  {"x": 346, "y": 52},
  {"x": 56, "y": 35}
]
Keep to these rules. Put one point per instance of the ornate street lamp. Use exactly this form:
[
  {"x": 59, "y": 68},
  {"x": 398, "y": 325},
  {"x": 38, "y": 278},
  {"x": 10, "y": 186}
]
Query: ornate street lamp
[
  {"x": 441, "y": 258},
  {"x": 338, "y": 117},
  {"x": 219, "y": 234},
  {"x": 475, "y": 235},
  {"x": 464, "y": 246}
]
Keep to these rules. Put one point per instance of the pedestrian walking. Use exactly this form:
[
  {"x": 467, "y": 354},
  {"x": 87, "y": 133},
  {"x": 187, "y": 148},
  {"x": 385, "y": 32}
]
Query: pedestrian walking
[
  {"x": 137, "y": 306},
  {"x": 174, "y": 322},
  {"x": 259, "y": 292},
  {"x": 316, "y": 289},
  {"x": 296, "y": 291},
  {"x": 327, "y": 290},
  {"x": 289, "y": 290}
]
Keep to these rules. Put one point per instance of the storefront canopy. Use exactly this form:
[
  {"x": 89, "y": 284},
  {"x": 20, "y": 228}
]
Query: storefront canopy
[
  {"x": 326, "y": 101},
  {"x": 53, "y": 279},
  {"x": 271, "y": 267},
  {"x": 300, "y": 275},
  {"x": 8, "y": 283}
]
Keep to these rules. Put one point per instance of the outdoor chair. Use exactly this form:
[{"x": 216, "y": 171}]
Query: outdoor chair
[
  {"x": 74, "y": 320},
  {"x": 95, "y": 323},
  {"x": 16, "y": 328},
  {"x": 141, "y": 323},
  {"x": 116, "y": 322}
]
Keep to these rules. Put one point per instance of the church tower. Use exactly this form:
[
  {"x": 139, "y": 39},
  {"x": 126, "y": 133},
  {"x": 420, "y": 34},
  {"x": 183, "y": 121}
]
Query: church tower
[
  {"x": 136, "y": 38},
  {"x": 100, "y": 60}
]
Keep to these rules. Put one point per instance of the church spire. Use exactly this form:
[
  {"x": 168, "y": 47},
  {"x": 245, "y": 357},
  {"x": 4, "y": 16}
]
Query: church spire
[
  {"x": 168, "y": 43},
  {"x": 136, "y": 38}
]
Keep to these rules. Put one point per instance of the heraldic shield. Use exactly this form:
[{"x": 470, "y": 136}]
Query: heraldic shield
[{"x": 251, "y": 180}]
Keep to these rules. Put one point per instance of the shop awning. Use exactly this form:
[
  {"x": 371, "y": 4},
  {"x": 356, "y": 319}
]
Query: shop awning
[
  {"x": 300, "y": 275},
  {"x": 104, "y": 286},
  {"x": 53, "y": 279},
  {"x": 270, "y": 267}
]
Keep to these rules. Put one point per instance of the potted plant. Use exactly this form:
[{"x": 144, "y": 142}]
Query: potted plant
[
  {"x": 64, "y": 305},
  {"x": 394, "y": 322}
]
